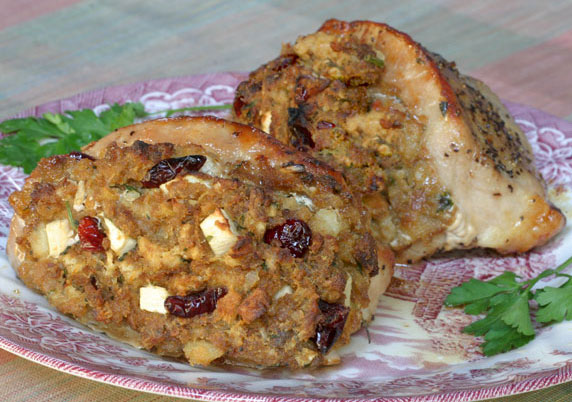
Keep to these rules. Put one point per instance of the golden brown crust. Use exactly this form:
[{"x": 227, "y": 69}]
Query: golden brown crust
[{"x": 245, "y": 144}]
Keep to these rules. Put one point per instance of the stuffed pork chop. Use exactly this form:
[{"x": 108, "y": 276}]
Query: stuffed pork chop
[
  {"x": 201, "y": 238},
  {"x": 437, "y": 158}
]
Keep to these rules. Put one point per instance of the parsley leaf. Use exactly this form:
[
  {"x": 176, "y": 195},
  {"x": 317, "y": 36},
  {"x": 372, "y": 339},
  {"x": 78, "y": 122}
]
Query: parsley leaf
[
  {"x": 376, "y": 61},
  {"x": 30, "y": 139},
  {"x": 510, "y": 308},
  {"x": 504, "y": 300},
  {"x": 503, "y": 338},
  {"x": 555, "y": 303},
  {"x": 35, "y": 138},
  {"x": 507, "y": 322},
  {"x": 476, "y": 295}
]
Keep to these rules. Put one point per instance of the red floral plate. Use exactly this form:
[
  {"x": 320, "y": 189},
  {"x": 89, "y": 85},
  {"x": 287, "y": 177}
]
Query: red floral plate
[{"x": 416, "y": 351}]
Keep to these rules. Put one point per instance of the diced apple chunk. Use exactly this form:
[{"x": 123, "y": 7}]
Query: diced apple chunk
[
  {"x": 39, "y": 242},
  {"x": 118, "y": 241},
  {"x": 79, "y": 199},
  {"x": 266, "y": 121},
  {"x": 219, "y": 231},
  {"x": 327, "y": 221},
  {"x": 211, "y": 168},
  {"x": 152, "y": 299},
  {"x": 303, "y": 200},
  {"x": 194, "y": 179},
  {"x": 165, "y": 187},
  {"x": 305, "y": 357},
  {"x": 60, "y": 235},
  {"x": 285, "y": 290},
  {"x": 201, "y": 352},
  {"x": 250, "y": 280}
]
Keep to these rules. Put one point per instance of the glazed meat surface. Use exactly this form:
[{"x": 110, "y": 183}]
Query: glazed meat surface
[
  {"x": 438, "y": 160},
  {"x": 203, "y": 239}
]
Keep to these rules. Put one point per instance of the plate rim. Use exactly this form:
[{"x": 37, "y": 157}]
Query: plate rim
[{"x": 207, "y": 395}]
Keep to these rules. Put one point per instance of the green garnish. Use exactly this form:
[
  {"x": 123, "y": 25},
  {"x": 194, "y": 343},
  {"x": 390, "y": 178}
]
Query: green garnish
[
  {"x": 375, "y": 61},
  {"x": 445, "y": 202},
  {"x": 131, "y": 188},
  {"x": 331, "y": 63},
  {"x": 127, "y": 187},
  {"x": 507, "y": 323},
  {"x": 443, "y": 107},
  {"x": 73, "y": 222},
  {"x": 171, "y": 112},
  {"x": 555, "y": 303},
  {"x": 33, "y": 138},
  {"x": 39, "y": 137}
]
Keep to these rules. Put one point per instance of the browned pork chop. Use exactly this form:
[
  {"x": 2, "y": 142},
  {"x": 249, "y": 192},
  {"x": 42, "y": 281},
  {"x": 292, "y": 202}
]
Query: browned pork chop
[{"x": 439, "y": 161}]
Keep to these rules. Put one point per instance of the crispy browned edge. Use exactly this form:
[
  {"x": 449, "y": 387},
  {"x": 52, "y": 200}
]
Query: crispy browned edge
[
  {"x": 233, "y": 137},
  {"x": 238, "y": 141},
  {"x": 334, "y": 25}
]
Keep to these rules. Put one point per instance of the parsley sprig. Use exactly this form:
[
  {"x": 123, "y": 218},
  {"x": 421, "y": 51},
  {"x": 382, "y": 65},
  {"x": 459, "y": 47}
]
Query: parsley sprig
[
  {"x": 31, "y": 138},
  {"x": 504, "y": 300}
]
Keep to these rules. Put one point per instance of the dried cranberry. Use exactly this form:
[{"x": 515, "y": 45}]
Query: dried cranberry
[
  {"x": 168, "y": 169},
  {"x": 90, "y": 236},
  {"x": 238, "y": 104},
  {"x": 194, "y": 303},
  {"x": 308, "y": 86},
  {"x": 301, "y": 94},
  {"x": 298, "y": 125},
  {"x": 303, "y": 137},
  {"x": 331, "y": 324},
  {"x": 80, "y": 155},
  {"x": 74, "y": 155},
  {"x": 284, "y": 61},
  {"x": 323, "y": 124},
  {"x": 294, "y": 234}
]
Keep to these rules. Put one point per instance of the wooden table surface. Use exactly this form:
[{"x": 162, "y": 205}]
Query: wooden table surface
[{"x": 50, "y": 49}]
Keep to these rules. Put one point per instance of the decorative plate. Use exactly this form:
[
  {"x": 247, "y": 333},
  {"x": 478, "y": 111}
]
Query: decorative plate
[{"x": 415, "y": 350}]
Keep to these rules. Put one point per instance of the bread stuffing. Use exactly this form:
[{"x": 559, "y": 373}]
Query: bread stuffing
[{"x": 201, "y": 239}]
